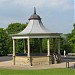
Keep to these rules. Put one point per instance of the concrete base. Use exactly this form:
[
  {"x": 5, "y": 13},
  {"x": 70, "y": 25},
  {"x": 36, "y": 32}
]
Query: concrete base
[{"x": 33, "y": 60}]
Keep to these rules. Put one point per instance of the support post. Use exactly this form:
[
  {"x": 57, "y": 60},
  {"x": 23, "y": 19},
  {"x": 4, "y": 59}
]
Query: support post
[
  {"x": 48, "y": 46},
  {"x": 14, "y": 51},
  {"x": 67, "y": 64},
  {"x": 28, "y": 47},
  {"x": 59, "y": 46},
  {"x": 29, "y": 57},
  {"x": 54, "y": 47},
  {"x": 54, "y": 52},
  {"x": 24, "y": 46},
  {"x": 59, "y": 55}
]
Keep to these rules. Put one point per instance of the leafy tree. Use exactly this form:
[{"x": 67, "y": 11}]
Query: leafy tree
[
  {"x": 65, "y": 45},
  {"x": 3, "y": 42},
  {"x": 35, "y": 45},
  {"x": 15, "y": 28},
  {"x": 68, "y": 42},
  {"x": 71, "y": 38}
]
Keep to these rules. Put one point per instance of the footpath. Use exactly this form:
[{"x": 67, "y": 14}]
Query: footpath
[{"x": 6, "y": 62}]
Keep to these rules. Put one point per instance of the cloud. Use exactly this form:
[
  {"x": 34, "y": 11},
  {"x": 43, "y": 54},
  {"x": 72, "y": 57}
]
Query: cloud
[
  {"x": 19, "y": 7},
  {"x": 53, "y": 12},
  {"x": 63, "y": 4}
]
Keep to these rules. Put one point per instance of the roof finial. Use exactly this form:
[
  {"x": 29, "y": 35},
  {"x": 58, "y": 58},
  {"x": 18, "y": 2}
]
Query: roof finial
[{"x": 34, "y": 10}]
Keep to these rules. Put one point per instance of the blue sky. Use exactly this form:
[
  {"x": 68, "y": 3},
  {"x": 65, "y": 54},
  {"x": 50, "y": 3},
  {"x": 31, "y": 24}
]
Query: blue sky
[{"x": 57, "y": 15}]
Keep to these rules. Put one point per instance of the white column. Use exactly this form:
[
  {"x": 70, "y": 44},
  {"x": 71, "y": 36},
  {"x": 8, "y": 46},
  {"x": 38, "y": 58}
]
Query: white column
[
  {"x": 24, "y": 46},
  {"x": 14, "y": 51},
  {"x": 48, "y": 46},
  {"x": 64, "y": 53},
  {"x": 58, "y": 45},
  {"x": 29, "y": 47}
]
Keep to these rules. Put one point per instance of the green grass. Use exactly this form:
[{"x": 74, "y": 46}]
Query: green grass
[{"x": 38, "y": 72}]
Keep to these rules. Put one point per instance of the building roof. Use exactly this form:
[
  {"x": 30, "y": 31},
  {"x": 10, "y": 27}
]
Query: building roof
[
  {"x": 35, "y": 29},
  {"x": 35, "y": 25}
]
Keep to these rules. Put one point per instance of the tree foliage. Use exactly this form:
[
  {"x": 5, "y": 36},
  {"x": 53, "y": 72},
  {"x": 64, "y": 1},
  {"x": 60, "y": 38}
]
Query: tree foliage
[
  {"x": 71, "y": 39},
  {"x": 3, "y": 42},
  {"x": 15, "y": 28}
]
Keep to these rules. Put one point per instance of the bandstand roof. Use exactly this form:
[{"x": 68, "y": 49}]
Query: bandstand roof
[{"x": 35, "y": 29}]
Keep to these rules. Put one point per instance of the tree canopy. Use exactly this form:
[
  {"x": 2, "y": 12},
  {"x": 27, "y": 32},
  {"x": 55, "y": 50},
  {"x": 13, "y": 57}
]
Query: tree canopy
[
  {"x": 15, "y": 28},
  {"x": 3, "y": 42},
  {"x": 71, "y": 38}
]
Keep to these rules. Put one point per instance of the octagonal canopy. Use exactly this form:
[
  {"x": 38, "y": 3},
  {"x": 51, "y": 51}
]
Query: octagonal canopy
[
  {"x": 35, "y": 25},
  {"x": 35, "y": 29}
]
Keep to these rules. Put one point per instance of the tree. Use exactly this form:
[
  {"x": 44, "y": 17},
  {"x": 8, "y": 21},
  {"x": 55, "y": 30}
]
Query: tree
[
  {"x": 71, "y": 38},
  {"x": 65, "y": 45},
  {"x": 15, "y": 28},
  {"x": 3, "y": 42},
  {"x": 68, "y": 42}
]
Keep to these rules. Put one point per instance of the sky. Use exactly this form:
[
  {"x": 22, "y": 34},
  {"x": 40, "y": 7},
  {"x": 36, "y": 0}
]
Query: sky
[{"x": 57, "y": 15}]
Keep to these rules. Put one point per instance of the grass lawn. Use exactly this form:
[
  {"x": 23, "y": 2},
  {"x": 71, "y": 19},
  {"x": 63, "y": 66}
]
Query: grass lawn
[{"x": 38, "y": 72}]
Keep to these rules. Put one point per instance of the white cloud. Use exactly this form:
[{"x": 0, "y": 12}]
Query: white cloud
[
  {"x": 63, "y": 4},
  {"x": 20, "y": 10}
]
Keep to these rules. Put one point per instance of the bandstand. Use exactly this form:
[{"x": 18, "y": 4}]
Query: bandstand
[{"x": 35, "y": 29}]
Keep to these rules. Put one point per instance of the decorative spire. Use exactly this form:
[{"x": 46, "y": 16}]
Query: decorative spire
[
  {"x": 34, "y": 10},
  {"x": 34, "y": 16}
]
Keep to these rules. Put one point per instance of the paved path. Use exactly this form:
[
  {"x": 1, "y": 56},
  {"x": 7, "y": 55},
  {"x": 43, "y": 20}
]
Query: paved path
[{"x": 6, "y": 62}]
